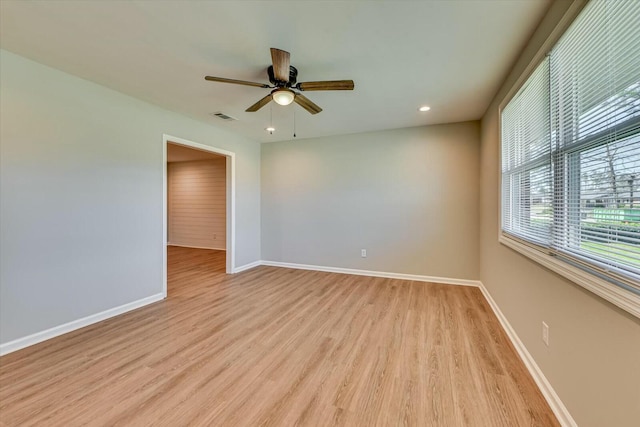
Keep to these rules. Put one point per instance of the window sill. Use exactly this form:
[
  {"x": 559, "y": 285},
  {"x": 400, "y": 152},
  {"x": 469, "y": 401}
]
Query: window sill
[{"x": 618, "y": 296}]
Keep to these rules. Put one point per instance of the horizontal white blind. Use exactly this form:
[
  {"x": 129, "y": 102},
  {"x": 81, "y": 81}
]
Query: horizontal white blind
[
  {"x": 595, "y": 110},
  {"x": 602, "y": 224},
  {"x": 526, "y": 161},
  {"x": 593, "y": 134}
]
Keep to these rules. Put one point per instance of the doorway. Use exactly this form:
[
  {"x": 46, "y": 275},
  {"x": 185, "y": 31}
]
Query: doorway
[{"x": 199, "y": 208}]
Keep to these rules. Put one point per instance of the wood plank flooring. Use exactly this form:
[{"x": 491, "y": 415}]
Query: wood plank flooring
[{"x": 279, "y": 347}]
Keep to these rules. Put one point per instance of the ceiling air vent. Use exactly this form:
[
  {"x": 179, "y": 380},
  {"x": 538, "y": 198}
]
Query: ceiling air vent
[{"x": 223, "y": 116}]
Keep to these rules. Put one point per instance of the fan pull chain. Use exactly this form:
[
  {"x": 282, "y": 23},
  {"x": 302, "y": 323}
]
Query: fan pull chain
[
  {"x": 294, "y": 122},
  {"x": 271, "y": 118}
]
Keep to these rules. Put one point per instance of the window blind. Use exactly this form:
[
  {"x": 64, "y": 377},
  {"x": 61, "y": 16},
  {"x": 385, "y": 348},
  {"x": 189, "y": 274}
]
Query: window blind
[
  {"x": 579, "y": 195},
  {"x": 526, "y": 161}
]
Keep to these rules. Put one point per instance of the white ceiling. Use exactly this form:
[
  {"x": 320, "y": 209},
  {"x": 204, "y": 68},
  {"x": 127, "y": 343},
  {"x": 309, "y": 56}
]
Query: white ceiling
[{"x": 449, "y": 54}]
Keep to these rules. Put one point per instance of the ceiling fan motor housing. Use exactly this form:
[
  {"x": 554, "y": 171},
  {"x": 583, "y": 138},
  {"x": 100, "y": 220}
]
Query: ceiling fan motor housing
[{"x": 293, "y": 77}]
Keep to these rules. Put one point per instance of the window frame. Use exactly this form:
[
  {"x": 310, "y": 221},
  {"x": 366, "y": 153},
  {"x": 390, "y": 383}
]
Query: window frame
[{"x": 566, "y": 266}]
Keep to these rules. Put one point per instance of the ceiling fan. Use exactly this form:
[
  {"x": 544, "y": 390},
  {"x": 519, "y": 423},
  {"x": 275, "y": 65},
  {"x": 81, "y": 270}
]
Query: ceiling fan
[{"x": 283, "y": 77}]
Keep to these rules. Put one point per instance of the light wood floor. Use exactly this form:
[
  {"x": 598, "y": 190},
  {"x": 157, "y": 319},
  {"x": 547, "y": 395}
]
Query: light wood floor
[{"x": 280, "y": 347}]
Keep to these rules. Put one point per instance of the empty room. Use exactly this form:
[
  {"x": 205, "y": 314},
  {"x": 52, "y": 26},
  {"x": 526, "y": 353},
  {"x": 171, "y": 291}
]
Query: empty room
[{"x": 336, "y": 213}]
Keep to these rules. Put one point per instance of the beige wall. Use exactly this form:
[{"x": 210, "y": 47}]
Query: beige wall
[
  {"x": 408, "y": 196},
  {"x": 197, "y": 203},
  {"x": 593, "y": 361}
]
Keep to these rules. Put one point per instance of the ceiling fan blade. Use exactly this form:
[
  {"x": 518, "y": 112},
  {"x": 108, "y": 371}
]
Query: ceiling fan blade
[
  {"x": 237, "y": 82},
  {"x": 258, "y": 105},
  {"x": 327, "y": 85},
  {"x": 305, "y": 103},
  {"x": 281, "y": 62}
]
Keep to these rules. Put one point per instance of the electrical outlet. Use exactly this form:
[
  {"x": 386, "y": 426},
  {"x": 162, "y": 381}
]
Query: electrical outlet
[
  {"x": 363, "y": 253},
  {"x": 545, "y": 333}
]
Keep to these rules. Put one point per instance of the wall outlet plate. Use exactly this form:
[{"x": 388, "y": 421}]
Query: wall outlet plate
[{"x": 545, "y": 333}]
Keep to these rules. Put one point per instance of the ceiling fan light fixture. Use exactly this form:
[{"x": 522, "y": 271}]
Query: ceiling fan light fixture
[
  {"x": 283, "y": 96},
  {"x": 424, "y": 108}
]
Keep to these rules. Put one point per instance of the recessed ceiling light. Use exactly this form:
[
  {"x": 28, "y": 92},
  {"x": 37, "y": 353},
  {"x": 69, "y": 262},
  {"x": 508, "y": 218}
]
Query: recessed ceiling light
[
  {"x": 424, "y": 108},
  {"x": 270, "y": 129}
]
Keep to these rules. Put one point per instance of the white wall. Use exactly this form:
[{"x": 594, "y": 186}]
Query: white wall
[
  {"x": 593, "y": 361},
  {"x": 81, "y": 196},
  {"x": 197, "y": 203},
  {"x": 408, "y": 196}
]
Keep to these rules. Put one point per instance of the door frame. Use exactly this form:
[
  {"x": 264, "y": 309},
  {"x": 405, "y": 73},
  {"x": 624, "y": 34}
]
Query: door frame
[{"x": 230, "y": 200}]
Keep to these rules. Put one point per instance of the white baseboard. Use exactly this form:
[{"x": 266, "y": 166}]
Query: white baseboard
[
  {"x": 402, "y": 276},
  {"x": 195, "y": 247},
  {"x": 38, "y": 337},
  {"x": 561, "y": 412},
  {"x": 247, "y": 266}
]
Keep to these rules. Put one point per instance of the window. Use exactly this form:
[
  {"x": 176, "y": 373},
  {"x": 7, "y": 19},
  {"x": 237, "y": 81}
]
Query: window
[{"x": 571, "y": 148}]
